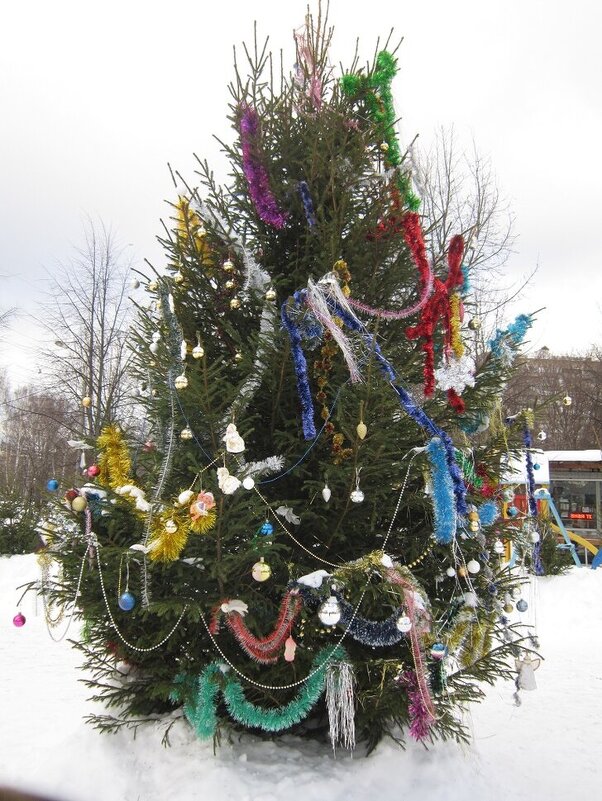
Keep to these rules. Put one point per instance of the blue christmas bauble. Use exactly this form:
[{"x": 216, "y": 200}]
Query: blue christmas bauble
[
  {"x": 512, "y": 511},
  {"x": 127, "y": 601},
  {"x": 266, "y": 529},
  {"x": 52, "y": 485},
  {"x": 522, "y": 605},
  {"x": 536, "y": 466}
]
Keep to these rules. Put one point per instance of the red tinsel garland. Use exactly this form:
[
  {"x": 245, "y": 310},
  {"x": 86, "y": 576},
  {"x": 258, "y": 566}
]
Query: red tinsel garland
[
  {"x": 437, "y": 308},
  {"x": 265, "y": 650}
]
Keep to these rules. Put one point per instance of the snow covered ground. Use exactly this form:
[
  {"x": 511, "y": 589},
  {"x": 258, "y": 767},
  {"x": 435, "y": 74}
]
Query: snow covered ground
[{"x": 549, "y": 748}]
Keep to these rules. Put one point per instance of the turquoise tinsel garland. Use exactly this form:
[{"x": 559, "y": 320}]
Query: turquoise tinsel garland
[
  {"x": 200, "y": 708},
  {"x": 444, "y": 507}
]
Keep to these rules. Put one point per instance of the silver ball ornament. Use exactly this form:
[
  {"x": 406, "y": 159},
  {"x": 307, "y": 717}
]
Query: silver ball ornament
[{"x": 329, "y": 612}]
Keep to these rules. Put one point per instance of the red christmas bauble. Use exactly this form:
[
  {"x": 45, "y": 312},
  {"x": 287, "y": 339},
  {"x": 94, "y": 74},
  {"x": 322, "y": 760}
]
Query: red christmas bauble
[{"x": 93, "y": 470}]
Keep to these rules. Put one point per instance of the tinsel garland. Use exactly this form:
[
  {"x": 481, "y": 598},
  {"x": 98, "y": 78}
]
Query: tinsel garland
[
  {"x": 164, "y": 545},
  {"x": 307, "y": 73},
  {"x": 412, "y": 231},
  {"x": 488, "y": 513},
  {"x": 308, "y": 205},
  {"x": 114, "y": 458},
  {"x": 423, "y": 420},
  {"x": 375, "y": 88},
  {"x": 200, "y": 698},
  {"x": 421, "y": 719},
  {"x": 505, "y": 341},
  {"x": 528, "y": 442},
  {"x": 444, "y": 507},
  {"x": 264, "y": 650},
  {"x": 255, "y": 172},
  {"x": 438, "y": 308},
  {"x": 468, "y": 470},
  {"x": 455, "y": 322},
  {"x": 307, "y": 406},
  {"x": 190, "y": 230}
]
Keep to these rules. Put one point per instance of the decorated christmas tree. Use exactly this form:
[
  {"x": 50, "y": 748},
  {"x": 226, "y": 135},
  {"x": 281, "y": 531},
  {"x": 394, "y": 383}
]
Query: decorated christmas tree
[{"x": 311, "y": 539}]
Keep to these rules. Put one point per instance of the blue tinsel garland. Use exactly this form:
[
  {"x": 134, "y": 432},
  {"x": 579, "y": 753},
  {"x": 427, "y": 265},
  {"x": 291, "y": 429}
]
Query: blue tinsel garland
[
  {"x": 444, "y": 508},
  {"x": 308, "y": 205},
  {"x": 513, "y": 335},
  {"x": 488, "y": 513},
  {"x": 307, "y": 406}
]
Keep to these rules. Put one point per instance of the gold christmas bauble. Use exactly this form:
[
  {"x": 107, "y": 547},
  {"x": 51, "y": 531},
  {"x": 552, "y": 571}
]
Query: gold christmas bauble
[
  {"x": 238, "y": 356},
  {"x": 86, "y": 402},
  {"x": 261, "y": 570},
  {"x": 462, "y": 571},
  {"x": 228, "y": 266},
  {"x": 178, "y": 278},
  {"x": 508, "y": 608},
  {"x": 474, "y": 525},
  {"x": 384, "y": 146},
  {"x": 230, "y": 284},
  {"x": 270, "y": 294},
  {"x": 171, "y": 526},
  {"x": 474, "y": 324},
  {"x": 567, "y": 400},
  {"x": 152, "y": 286},
  {"x": 235, "y": 303},
  {"x": 473, "y": 515},
  {"x": 362, "y": 429},
  {"x": 198, "y": 352},
  {"x": 186, "y": 433},
  {"x": 79, "y": 503},
  {"x": 181, "y": 382}
]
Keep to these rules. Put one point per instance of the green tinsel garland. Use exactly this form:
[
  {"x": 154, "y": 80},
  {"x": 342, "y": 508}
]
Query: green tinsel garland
[
  {"x": 200, "y": 707},
  {"x": 379, "y": 100}
]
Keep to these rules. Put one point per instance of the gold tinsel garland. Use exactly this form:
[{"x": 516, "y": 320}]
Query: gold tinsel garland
[{"x": 114, "y": 458}]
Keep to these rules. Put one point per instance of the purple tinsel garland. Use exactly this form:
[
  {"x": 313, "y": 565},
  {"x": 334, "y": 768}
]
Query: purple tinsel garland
[
  {"x": 420, "y": 718},
  {"x": 255, "y": 172}
]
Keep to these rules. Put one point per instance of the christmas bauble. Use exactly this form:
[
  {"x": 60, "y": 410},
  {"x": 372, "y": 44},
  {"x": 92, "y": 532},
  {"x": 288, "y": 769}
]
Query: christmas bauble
[
  {"x": 154, "y": 348},
  {"x": 178, "y": 278},
  {"x": 126, "y": 601},
  {"x": 473, "y": 515},
  {"x": 235, "y": 303},
  {"x": 536, "y": 466},
  {"x": 326, "y": 493},
  {"x": 522, "y": 605},
  {"x": 451, "y": 572},
  {"x": 228, "y": 266},
  {"x": 270, "y": 295},
  {"x": 181, "y": 382},
  {"x": 542, "y": 436},
  {"x": 534, "y": 537},
  {"x": 508, "y": 494},
  {"x": 567, "y": 400},
  {"x": 404, "y": 624},
  {"x": 153, "y": 286},
  {"x": 329, "y": 612},
  {"x": 93, "y": 470},
  {"x": 384, "y": 146},
  {"x": 462, "y": 571},
  {"x": 498, "y": 547},
  {"x": 470, "y": 599},
  {"x": 52, "y": 485},
  {"x": 438, "y": 651},
  {"x": 185, "y": 497},
  {"x": 508, "y": 608},
  {"x": 266, "y": 529},
  {"x": 135, "y": 283},
  {"x": 86, "y": 402},
  {"x": 19, "y": 620},
  {"x": 198, "y": 352},
  {"x": 512, "y": 511},
  {"x": 357, "y": 496},
  {"x": 186, "y": 433},
  {"x": 171, "y": 526},
  {"x": 229, "y": 284},
  {"x": 261, "y": 570},
  {"x": 474, "y": 324},
  {"x": 79, "y": 504},
  {"x": 473, "y": 566},
  {"x": 473, "y": 525},
  {"x": 248, "y": 483},
  {"x": 361, "y": 429},
  {"x": 238, "y": 356}
]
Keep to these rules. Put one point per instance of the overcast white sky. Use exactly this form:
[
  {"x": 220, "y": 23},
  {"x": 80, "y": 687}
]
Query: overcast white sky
[{"x": 96, "y": 98}]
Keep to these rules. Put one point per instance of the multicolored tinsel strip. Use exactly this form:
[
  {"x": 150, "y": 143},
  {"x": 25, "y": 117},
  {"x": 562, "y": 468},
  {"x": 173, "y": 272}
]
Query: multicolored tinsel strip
[
  {"x": 200, "y": 697},
  {"x": 308, "y": 204},
  {"x": 412, "y": 232},
  {"x": 375, "y": 89},
  {"x": 421, "y": 719},
  {"x": 444, "y": 507},
  {"x": 114, "y": 458},
  {"x": 307, "y": 406},
  {"x": 438, "y": 308},
  {"x": 255, "y": 171},
  {"x": 265, "y": 650}
]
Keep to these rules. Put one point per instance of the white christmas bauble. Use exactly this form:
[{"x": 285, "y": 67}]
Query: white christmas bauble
[
  {"x": 357, "y": 496},
  {"x": 473, "y": 566},
  {"x": 535, "y": 536},
  {"x": 198, "y": 352},
  {"x": 326, "y": 493},
  {"x": 181, "y": 382},
  {"x": 135, "y": 283},
  {"x": 542, "y": 436},
  {"x": 498, "y": 547},
  {"x": 248, "y": 483},
  {"x": 156, "y": 336},
  {"x": 330, "y": 611},
  {"x": 404, "y": 624},
  {"x": 470, "y": 599},
  {"x": 154, "y": 348},
  {"x": 186, "y": 433},
  {"x": 451, "y": 571},
  {"x": 567, "y": 400},
  {"x": 185, "y": 497}
]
